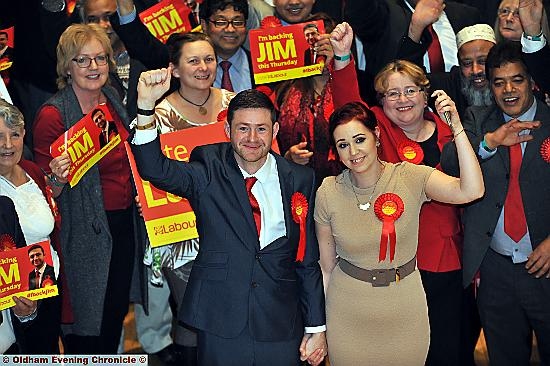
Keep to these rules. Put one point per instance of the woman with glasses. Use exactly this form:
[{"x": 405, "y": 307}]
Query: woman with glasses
[
  {"x": 408, "y": 132},
  {"x": 508, "y": 25},
  {"x": 97, "y": 227}
]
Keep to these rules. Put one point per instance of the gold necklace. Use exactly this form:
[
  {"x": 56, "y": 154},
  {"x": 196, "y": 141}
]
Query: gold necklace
[
  {"x": 365, "y": 206},
  {"x": 202, "y": 109}
]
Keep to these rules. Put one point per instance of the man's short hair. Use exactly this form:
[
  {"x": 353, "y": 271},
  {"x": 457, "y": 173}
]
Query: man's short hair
[
  {"x": 35, "y": 246},
  {"x": 96, "y": 111},
  {"x": 248, "y": 99},
  {"x": 209, "y": 7},
  {"x": 4, "y": 33},
  {"x": 311, "y": 25},
  {"x": 502, "y": 53}
]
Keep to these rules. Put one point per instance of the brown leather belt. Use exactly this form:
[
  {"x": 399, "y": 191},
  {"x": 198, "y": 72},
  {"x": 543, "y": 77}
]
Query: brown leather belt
[{"x": 378, "y": 277}]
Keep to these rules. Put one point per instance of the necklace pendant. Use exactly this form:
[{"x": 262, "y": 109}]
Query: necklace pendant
[
  {"x": 363, "y": 206},
  {"x": 203, "y": 110}
]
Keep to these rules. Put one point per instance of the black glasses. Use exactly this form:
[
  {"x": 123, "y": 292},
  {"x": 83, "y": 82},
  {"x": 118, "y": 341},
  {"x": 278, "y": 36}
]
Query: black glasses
[
  {"x": 409, "y": 92},
  {"x": 504, "y": 12},
  {"x": 86, "y": 61},
  {"x": 223, "y": 23}
]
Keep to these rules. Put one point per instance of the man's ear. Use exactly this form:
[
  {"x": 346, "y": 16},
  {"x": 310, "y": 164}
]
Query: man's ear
[
  {"x": 227, "y": 129},
  {"x": 275, "y": 129}
]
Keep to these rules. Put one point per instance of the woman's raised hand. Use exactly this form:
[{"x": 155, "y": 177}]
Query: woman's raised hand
[
  {"x": 341, "y": 39},
  {"x": 152, "y": 85}
]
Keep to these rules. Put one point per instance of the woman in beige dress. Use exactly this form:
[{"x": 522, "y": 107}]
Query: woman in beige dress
[{"x": 367, "y": 228}]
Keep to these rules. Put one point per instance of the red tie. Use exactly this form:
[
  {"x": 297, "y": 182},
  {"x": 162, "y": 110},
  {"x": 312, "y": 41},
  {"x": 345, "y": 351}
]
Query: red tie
[
  {"x": 435, "y": 54},
  {"x": 37, "y": 273},
  {"x": 226, "y": 80},
  {"x": 249, "y": 182},
  {"x": 515, "y": 224}
]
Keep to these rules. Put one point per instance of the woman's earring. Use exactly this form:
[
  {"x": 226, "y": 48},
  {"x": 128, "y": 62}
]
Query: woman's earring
[{"x": 377, "y": 143}]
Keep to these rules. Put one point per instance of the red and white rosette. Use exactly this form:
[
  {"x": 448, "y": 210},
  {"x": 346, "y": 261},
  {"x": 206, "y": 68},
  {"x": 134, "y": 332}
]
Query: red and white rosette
[
  {"x": 545, "y": 150},
  {"x": 270, "y": 21},
  {"x": 409, "y": 150},
  {"x": 388, "y": 207},
  {"x": 6, "y": 243},
  {"x": 222, "y": 116},
  {"x": 299, "y": 206}
]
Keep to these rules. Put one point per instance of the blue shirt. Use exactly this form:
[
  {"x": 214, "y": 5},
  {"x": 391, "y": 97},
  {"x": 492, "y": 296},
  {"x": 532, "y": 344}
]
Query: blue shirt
[{"x": 239, "y": 72}]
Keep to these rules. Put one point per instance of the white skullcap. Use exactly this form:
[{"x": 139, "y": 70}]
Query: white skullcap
[{"x": 475, "y": 32}]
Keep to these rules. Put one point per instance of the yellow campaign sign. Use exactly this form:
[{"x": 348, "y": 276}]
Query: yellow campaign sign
[
  {"x": 171, "y": 229},
  {"x": 299, "y": 72},
  {"x": 41, "y": 293}
]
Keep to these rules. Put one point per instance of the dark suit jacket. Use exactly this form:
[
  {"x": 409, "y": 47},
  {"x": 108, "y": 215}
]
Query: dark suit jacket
[
  {"x": 481, "y": 216},
  {"x": 382, "y": 24},
  {"x": 48, "y": 273},
  {"x": 233, "y": 283}
]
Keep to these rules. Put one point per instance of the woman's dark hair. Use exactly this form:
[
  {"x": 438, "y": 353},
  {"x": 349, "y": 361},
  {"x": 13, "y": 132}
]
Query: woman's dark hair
[
  {"x": 176, "y": 42},
  {"x": 346, "y": 113}
]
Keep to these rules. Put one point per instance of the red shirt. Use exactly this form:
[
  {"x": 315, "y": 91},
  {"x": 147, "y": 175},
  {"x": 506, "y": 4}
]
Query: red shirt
[{"x": 114, "y": 169}]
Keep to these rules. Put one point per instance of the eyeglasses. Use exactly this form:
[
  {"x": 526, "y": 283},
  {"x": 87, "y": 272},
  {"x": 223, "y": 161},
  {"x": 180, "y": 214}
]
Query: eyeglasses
[
  {"x": 504, "y": 12},
  {"x": 85, "y": 61},
  {"x": 223, "y": 23},
  {"x": 409, "y": 92}
]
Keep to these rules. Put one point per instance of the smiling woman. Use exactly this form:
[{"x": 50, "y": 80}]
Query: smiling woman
[{"x": 99, "y": 209}]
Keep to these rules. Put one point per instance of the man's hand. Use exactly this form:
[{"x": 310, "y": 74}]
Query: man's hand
[
  {"x": 23, "y": 306},
  {"x": 299, "y": 154},
  {"x": 426, "y": 12},
  {"x": 313, "y": 348},
  {"x": 530, "y": 16},
  {"x": 324, "y": 48},
  {"x": 508, "y": 134},
  {"x": 538, "y": 262},
  {"x": 152, "y": 85}
]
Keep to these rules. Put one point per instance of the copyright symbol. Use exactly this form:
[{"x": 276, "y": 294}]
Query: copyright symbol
[
  {"x": 143, "y": 359},
  {"x": 5, "y": 359}
]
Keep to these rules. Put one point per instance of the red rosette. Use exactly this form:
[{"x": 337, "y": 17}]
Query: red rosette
[
  {"x": 388, "y": 207},
  {"x": 47, "y": 281},
  {"x": 6, "y": 243},
  {"x": 299, "y": 206},
  {"x": 409, "y": 150},
  {"x": 266, "y": 90},
  {"x": 222, "y": 116},
  {"x": 270, "y": 21},
  {"x": 545, "y": 150}
]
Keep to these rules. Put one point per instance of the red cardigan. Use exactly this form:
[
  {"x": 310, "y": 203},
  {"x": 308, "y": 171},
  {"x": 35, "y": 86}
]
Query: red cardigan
[{"x": 440, "y": 231}]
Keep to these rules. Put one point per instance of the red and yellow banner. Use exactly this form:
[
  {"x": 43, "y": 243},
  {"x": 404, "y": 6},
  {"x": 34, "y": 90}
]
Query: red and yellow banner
[
  {"x": 169, "y": 218},
  {"x": 89, "y": 140},
  {"x": 18, "y": 273},
  {"x": 167, "y": 17},
  {"x": 282, "y": 53}
]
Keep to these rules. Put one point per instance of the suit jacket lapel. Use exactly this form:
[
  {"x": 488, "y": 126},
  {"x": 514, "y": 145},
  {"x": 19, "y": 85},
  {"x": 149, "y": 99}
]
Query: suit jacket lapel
[
  {"x": 236, "y": 180},
  {"x": 286, "y": 181},
  {"x": 532, "y": 149}
]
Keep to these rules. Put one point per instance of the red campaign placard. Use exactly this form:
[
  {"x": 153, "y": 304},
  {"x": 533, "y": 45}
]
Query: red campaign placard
[
  {"x": 283, "y": 53},
  {"x": 170, "y": 218},
  {"x": 6, "y": 60},
  {"x": 167, "y": 17},
  {"x": 89, "y": 140},
  {"x": 18, "y": 273}
]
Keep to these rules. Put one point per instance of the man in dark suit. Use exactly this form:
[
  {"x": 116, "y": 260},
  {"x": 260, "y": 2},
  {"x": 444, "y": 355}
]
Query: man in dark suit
[
  {"x": 5, "y": 50},
  {"x": 108, "y": 128},
  {"x": 252, "y": 289},
  {"x": 311, "y": 34},
  {"x": 381, "y": 25},
  {"x": 43, "y": 274},
  {"x": 506, "y": 234}
]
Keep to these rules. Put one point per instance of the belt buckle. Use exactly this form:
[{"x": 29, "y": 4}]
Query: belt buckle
[{"x": 380, "y": 278}]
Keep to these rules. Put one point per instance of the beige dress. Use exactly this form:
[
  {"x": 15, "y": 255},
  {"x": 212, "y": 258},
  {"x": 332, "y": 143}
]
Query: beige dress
[{"x": 374, "y": 325}]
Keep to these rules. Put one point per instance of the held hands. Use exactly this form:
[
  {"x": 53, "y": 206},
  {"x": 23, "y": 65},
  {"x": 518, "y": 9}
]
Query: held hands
[
  {"x": 444, "y": 104},
  {"x": 152, "y": 85},
  {"x": 324, "y": 48},
  {"x": 23, "y": 306},
  {"x": 508, "y": 133},
  {"x": 60, "y": 167},
  {"x": 530, "y": 15},
  {"x": 341, "y": 39},
  {"x": 313, "y": 348},
  {"x": 299, "y": 154},
  {"x": 538, "y": 262}
]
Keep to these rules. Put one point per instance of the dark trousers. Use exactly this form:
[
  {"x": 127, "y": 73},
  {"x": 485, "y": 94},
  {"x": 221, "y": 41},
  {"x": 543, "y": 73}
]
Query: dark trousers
[
  {"x": 117, "y": 294},
  {"x": 470, "y": 325},
  {"x": 444, "y": 298},
  {"x": 243, "y": 350},
  {"x": 512, "y": 304}
]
